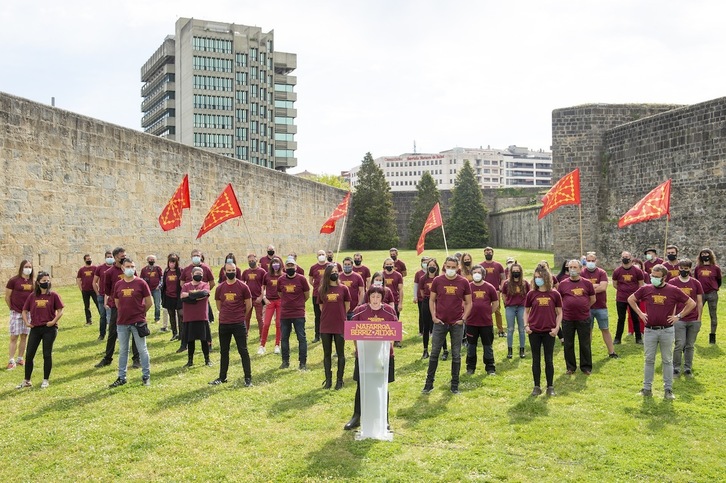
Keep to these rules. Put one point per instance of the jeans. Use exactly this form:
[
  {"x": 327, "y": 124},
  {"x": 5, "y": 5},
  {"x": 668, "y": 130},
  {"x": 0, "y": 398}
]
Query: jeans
[
  {"x": 685, "y": 335},
  {"x": 156, "y": 295},
  {"x": 651, "y": 339},
  {"x": 438, "y": 340},
  {"x": 113, "y": 335},
  {"x": 124, "y": 334},
  {"x": 623, "y": 307},
  {"x": 513, "y": 312},
  {"x": 601, "y": 315},
  {"x": 712, "y": 299},
  {"x": 287, "y": 326},
  {"x": 37, "y": 334},
  {"x": 327, "y": 340},
  {"x": 239, "y": 332},
  {"x": 104, "y": 314},
  {"x": 582, "y": 328},
  {"x": 486, "y": 334},
  {"x": 87, "y": 295},
  {"x": 537, "y": 342}
]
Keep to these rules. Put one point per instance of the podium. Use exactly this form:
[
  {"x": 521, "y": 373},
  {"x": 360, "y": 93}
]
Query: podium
[{"x": 374, "y": 348}]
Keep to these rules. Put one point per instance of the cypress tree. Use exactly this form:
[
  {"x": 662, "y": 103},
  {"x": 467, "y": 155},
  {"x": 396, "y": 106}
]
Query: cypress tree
[
  {"x": 467, "y": 226},
  {"x": 373, "y": 224},
  {"x": 427, "y": 195}
]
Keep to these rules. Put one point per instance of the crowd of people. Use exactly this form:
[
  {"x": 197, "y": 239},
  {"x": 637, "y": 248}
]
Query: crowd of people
[{"x": 663, "y": 300}]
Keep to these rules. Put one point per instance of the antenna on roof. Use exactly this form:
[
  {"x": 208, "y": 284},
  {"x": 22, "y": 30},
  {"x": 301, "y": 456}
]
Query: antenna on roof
[{"x": 414, "y": 146}]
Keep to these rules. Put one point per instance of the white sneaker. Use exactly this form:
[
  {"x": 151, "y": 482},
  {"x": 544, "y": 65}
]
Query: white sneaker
[
  {"x": 261, "y": 351},
  {"x": 44, "y": 384},
  {"x": 277, "y": 349}
]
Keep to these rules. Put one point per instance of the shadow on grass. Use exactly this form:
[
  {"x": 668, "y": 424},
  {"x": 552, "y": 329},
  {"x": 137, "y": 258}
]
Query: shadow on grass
[
  {"x": 338, "y": 459},
  {"x": 565, "y": 383},
  {"x": 528, "y": 409},
  {"x": 81, "y": 345},
  {"x": 710, "y": 351},
  {"x": 69, "y": 403},
  {"x": 182, "y": 399},
  {"x": 300, "y": 402},
  {"x": 658, "y": 412},
  {"x": 686, "y": 387},
  {"x": 426, "y": 406}
]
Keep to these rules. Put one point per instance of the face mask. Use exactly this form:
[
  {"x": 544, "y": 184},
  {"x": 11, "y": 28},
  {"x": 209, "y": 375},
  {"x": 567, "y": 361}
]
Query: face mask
[
  {"x": 44, "y": 285},
  {"x": 357, "y": 262},
  {"x": 539, "y": 281},
  {"x": 229, "y": 260},
  {"x": 649, "y": 257},
  {"x": 378, "y": 283},
  {"x": 516, "y": 275},
  {"x": 290, "y": 271},
  {"x": 270, "y": 253},
  {"x": 450, "y": 272},
  {"x": 672, "y": 257},
  {"x": 330, "y": 259},
  {"x": 655, "y": 281},
  {"x": 333, "y": 277},
  {"x": 196, "y": 260},
  {"x": 389, "y": 269},
  {"x": 151, "y": 263},
  {"x": 432, "y": 269},
  {"x": 590, "y": 265},
  {"x": 129, "y": 272},
  {"x": 27, "y": 271},
  {"x": 476, "y": 277},
  {"x": 252, "y": 264},
  {"x": 574, "y": 273},
  {"x": 347, "y": 269},
  {"x": 197, "y": 278},
  {"x": 88, "y": 262},
  {"x": 321, "y": 258},
  {"x": 423, "y": 267},
  {"x": 121, "y": 262},
  {"x": 488, "y": 256},
  {"x": 467, "y": 263},
  {"x": 705, "y": 258},
  {"x": 625, "y": 261},
  {"x": 230, "y": 275},
  {"x": 109, "y": 261},
  {"x": 684, "y": 273},
  {"x": 394, "y": 257},
  {"x": 276, "y": 266}
]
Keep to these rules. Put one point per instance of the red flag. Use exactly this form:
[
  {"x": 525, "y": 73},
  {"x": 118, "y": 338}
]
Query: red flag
[
  {"x": 565, "y": 192},
  {"x": 171, "y": 216},
  {"x": 340, "y": 211},
  {"x": 432, "y": 222},
  {"x": 224, "y": 208},
  {"x": 655, "y": 204}
]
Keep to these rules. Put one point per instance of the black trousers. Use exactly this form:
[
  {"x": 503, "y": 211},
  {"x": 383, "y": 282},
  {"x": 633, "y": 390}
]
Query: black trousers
[
  {"x": 239, "y": 332},
  {"x": 581, "y": 328},
  {"x": 89, "y": 297},
  {"x": 327, "y": 340},
  {"x": 623, "y": 308},
  {"x": 542, "y": 342},
  {"x": 317, "y": 310},
  {"x": 111, "y": 341},
  {"x": 47, "y": 336},
  {"x": 473, "y": 334}
]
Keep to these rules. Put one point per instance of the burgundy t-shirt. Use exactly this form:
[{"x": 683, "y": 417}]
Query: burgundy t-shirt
[
  {"x": 254, "y": 278},
  {"x": 171, "y": 283},
  {"x": 673, "y": 270},
  {"x": 332, "y": 313},
  {"x": 660, "y": 302},
  {"x": 387, "y": 298},
  {"x": 292, "y": 296},
  {"x": 424, "y": 286},
  {"x": 100, "y": 271},
  {"x": 363, "y": 271},
  {"x": 42, "y": 308},
  {"x": 576, "y": 298},
  {"x": 264, "y": 262},
  {"x": 317, "y": 271},
  {"x": 542, "y": 314},
  {"x": 417, "y": 276},
  {"x": 223, "y": 276},
  {"x": 482, "y": 298},
  {"x": 493, "y": 272},
  {"x": 399, "y": 266},
  {"x": 233, "y": 296},
  {"x": 110, "y": 278},
  {"x": 649, "y": 264},
  {"x": 270, "y": 283},
  {"x": 628, "y": 282},
  {"x": 199, "y": 311},
  {"x": 517, "y": 298},
  {"x": 130, "y": 296},
  {"x": 595, "y": 277},
  {"x": 366, "y": 314},
  {"x": 450, "y": 297},
  {"x": 21, "y": 290},
  {"x": 85, "y": 273},
  {"x": 707, "y": 275},
  {"x": 152, "y": 276},
  {"x": 693, "y": 289},
  {"x": 392, "y": 280},
  {"x": 354, "y": 282},
  {"x": 207, "y": 275}
]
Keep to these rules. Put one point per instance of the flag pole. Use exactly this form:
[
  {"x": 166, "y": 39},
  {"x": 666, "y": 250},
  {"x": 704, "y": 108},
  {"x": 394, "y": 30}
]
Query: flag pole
[
  {"x": 252, "y": 245},
  {"x": 444, "y": 232},
  {"x": 582, "y": 252},
  {"x": 665, "y": 243},
  {"x": 340, "y": 240}
]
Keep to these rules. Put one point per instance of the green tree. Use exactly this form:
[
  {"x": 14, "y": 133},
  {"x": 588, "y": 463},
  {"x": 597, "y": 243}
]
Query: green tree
[
  {"x": 332, "y": 180},
  {"x": 427, "y": 195},
  {"x": 373, "y": 225},
  {"x": 467, "y": 224}
]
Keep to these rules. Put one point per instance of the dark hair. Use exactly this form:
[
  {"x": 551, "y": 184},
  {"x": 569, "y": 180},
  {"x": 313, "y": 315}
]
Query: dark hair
[
  {"x": 378, "y": 290},
  {"x": 712, "y": 261},
  {"x": 512, "y": 284},
  {"x": 86, "y": 255},
  {"x": 22, "y": 265},
  {"x": 672, "y": 247},
  {"x": 41, "y": 274},
  {"x": 279, "y": 260},
  {"x": 685, "y": 262},
  {"x": 376, "y": 274},
  {"x": 452, "y": 259},
  {"x": 464, "y": 269},
  {"x": 325, "y": 282},
  {"x": 563, "y": 269},
  {"x": 108, "y": 252},
  {"x": 436, "y": 263},
  {"x": 128, "y": 260},
  {"x": 348, "y": 259},
  {"x": 117, "y": 250},
  {"x": 546, "y": 275},
  {"x": 230, "y": 255},
  {"x": 476, "y": 268},
  {"x": 172, "y": 257},
  {"x": 660, "y": 269}
]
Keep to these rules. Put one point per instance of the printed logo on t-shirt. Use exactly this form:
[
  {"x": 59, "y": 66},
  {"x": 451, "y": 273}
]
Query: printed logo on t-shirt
[
  {"x": 705, "y": 273},
  {"x": 479, "y": 294},
  {"x": 289, "y": 288},
  {"x": 578, "y": 292},
  {"x": 333, "y": 297},
  {"x": 88, "y": 273},
  {"x": 374, "y": 318},
  {"x": 229, "y": 297},
  {"x": 127, "y": 292},
  {"x": 490, "y": 269},
  {"x": 674, "y": 272},
  {"x": 659, "y": 299},
  {"x": 450, "y": 289},
  {"x": 41, "y": 304},
  {"x": 389, "y": 281},
  {"x": 26, "y": 287},
  {"x": 543, "y": 301},
  {"x": 252, "y": 276},
  {"x": 321, "y": 272},
  {"x": 593, "y": 281},
  {"x": 152, "y": 274},
  {"x": 428, "y": 286},
  {"x": 171, "y": 278},
  {"x": 274, "y": 282},
  {"x": 686, "y": 290},
  {"x": 627, "y": 278},
  {"x": 347, "y": 283}
]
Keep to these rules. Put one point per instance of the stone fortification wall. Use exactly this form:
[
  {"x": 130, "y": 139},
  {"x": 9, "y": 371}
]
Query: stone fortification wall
[
  {"x": 74, "y": 185},
  {"x": 520, "y": 228}
]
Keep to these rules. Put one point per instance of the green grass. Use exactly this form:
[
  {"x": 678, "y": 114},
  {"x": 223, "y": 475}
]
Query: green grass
[{"x": 287, "y": 428}]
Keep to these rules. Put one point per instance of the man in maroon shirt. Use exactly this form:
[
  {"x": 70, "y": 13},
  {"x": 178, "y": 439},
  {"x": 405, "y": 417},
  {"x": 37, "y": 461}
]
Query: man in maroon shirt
[
  {"x": 671, "y": 262},
  {"x": 294, "y": 291},
  {"x": 151, "y": 274},
  {"x": 98, "y": 287},
  {"x": 265, "y": 261},
  {"x": 393, "y": 279},
  {"x": 661, "y": 301},
  {"x": 495, "y": 276},
  {"x": 708, "y": 273},
  {"x": 355, "y": 284},
  {"x": 578, "y": 295},
  {"x": 627, "y": 278},
  {"x": 599, "y": 310},
  {"x": 254, "y": 277},
  {"x": 651, "y": 259},
  {"x": 361, "y": 269},
  {"x": 450, "y": 304},
  {"x": 686, "y": 329},
  {"x": 397, "y": 264},
  {"x": 84, "y": 280},
  {"x": 315, "y": 275}
]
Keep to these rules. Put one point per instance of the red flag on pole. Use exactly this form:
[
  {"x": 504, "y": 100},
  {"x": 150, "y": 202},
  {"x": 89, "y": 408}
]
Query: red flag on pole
[
  {"x": 432, "y": 222},
  {"x": 224, "y": 208},
  {"x": 340, "y": 211},
  {"x": 171, "y": 216},
  {"x": 565, "y": 192},
  {"x": 657, "y": 203}
]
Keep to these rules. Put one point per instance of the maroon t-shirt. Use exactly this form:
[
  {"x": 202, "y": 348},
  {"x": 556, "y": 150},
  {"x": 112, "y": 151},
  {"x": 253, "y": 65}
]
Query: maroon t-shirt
[
  {"x": 517, "y": 298},
  {"x": 482, "y": 298},
  {"x": 387, "y": 298},
  {"x": 363, "y": 271},
  {"x": 207, "y": 275},
  {"x": 576, "y": 298},
  {"x": 332, "y": 309},
  {"x": 660, "y": 302},
  {"x": 673, "y": 270},
  {"x": 399, "y": 266},
  {"x": 693, "y": 289},
  {"x": 270, "y": 283},
  {"x": 649, "y": 264},
  {"x": 392, "y": 280},
  {"x": 265, "y": 262},
  {"x": 317, "y": 271},
  {"x": 450, "y": 297},
  {"x": 292, "y": 296},
  {"x": 152, "y": 276},
  {"x": 595, "y": 277},
  {"x": 233, "y": 296},
  {"x": 21, "y": 290},
  {"x": 171, "y": 283},
  {"x": 85, "y": 273},
  {"x": 199, "y": 311},
  {"x": 493, "y": 272},
  {"x": 542, "y": 314},
  {"x": 424, "y": 286},
  {"x": 298, "y": 269},
  {"x": 707, "y": 275},
  {"x": 110, "y": 278},
  {"x": 366, "y": 314},
  {"x": 417, "y": 276},
  {"x": 354, "y": 282},
  {"x": 628, "y": 280},
  {"x": 42, "y": 308},
  {"x": 100, "y": 271},
  {"x": 254, "y": 278},
  {"x": 130, "y": 295},
  {"x": 223, "y": 276}
]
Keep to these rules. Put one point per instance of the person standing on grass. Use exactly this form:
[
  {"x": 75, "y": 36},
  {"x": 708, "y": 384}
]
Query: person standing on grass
[
  {"x": 671, "y": 262},
  {"x": 416, "y": 290},
  {"x": 84, "y": 280},
  {"x": 195, "y": 308},
  {"x": 334, "y": 300},
  {"x": 450, "y": 304},
  {"x": 99, "y": 287},
  {"x": 41, "y": 312},
  {"x": 272, "y": 303},
  {"x": 315, "y": 275},
  {"x": 254, "y": 278},
  {"x": 354, "y": 283},
  {"x": 542, "y": 320},
  {"x": 393, "y": 279},
  {"x": 709, "y": 274},
  {"x": 294, "y": 292},
  {"x": 599, "y": 310},
  {"x": 686, "y": 329},
  {"x": 495, "y": 276},
  {"x": 17, "y": 291},
  {"x": 234, "y": 305},
  {"x": 432, "y": 271},
  {"x": 151, "y": 274},
  {"x": 479, "y": 325},
  {"x": 170, "y": 291},
  {"x": 578, "y": 295},
  {"x": 398, "y": 264},
  {"x": 661, "y": 301},
  {"x": 515, "y": 290},
  {"x": 132, "y": 299},
  {"x": 627, "y": 278},
  {"x": 361, "y": 269}
]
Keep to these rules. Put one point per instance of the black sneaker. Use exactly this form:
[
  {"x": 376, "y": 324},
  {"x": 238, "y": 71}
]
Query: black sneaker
[
  {"x": 248, "y": 382},
  {"x": 136, "y": 365},
  {"x": 180, "y": 350},
  {"x": 302, "y": 366},
  {"x": 551, "y": 391},
  {"x": 284, "y": 365},
  {"x": 427, "y": 388},
  {"x": 316, "y": 339},
  {"x": 217, "y": 382},
  {"x": 470, "y": 372},
  {"x": 208, "y": 363},
  {"x": 445, "y": 356},
  {"x": 645, "y": 392},
  {"x": 616, "y": 342},
  {"x": 118, "y": 382},
  {"x": 639, "y": 341},
  {"x": 454, "y": 389},
  {"x": 103, "y": 363},
  {"x": 688, "y": 373},
  {"x": 613, "y": 356},
  {"x": 536, "y": 391},
  {"x": 100, "y": 338},
  {"x": 146, "y": 381}
]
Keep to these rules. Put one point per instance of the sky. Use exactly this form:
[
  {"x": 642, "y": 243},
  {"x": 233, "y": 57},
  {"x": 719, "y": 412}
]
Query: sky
[{"x": 378, "y": 76}]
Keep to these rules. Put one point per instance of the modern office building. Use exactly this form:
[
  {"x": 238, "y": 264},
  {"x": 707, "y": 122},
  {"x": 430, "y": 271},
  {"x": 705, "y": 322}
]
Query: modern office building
[
  {"x": 494, "y": 168},
  {"x": 223, "y": 87}
]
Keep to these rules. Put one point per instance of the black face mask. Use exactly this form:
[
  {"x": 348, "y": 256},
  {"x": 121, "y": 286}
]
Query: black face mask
[
  {"x": 290, "y": 271},
  {"x": 432, "y": 269},
  {"x": 197, "y": 278},
  {"x": 672, "y": 257},
  {"x": 389, "y": 269},
  {"x": 333, "y": 277},
  {"x": 394, "y": 257},
  {"x": 121, "y": 262},
  {"x": 467, "y": 263},
  {"x": 44, "y": 285},
  {"x": 625, "y": 261},
  {"x": 230, "y": 275},
  {"x": 151, "y": 263},
  {"x": 330, "y": 259},
  {"x": 488, "y": 257},
  {"x": 516, "y": 275},
  {"x": 357, "y": 262},
  {"x": 684, "y": 273},
  {"x": 252, "y": 264},
  {"x": 270, "y": 253},
  {"x": 705, "y": 258},
  {"x": 88, "y": 262}
]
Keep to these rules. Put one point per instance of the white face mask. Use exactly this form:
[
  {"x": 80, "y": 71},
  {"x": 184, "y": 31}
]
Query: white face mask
[
  {"x": 321, "y": 258},
  {"x": 378, "y": 283},
  {"x": 27, "y": 271},
  {"x": 450, "y": 272},
  {"x": 476, "y": 277}
]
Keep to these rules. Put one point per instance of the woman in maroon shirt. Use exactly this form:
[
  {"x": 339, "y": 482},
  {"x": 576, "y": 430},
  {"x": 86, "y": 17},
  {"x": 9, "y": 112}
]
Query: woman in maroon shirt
[
  {"x": 271, "y": 299},
  {"x": 195, "y": 299},
  {"x": 334, "y": 300},
  {"x": 17, "y": 291},
  {"x": 709, "y": 274},
  {"x": 514, "y": 290},
  {"x": 170, "y": 290},
  {"x": 424, "y": 288}
]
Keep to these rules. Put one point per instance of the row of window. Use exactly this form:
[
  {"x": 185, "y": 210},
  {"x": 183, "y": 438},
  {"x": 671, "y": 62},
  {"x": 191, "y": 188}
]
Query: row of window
[
  {"x": 212, "y": 83},
  {"x": 212, "y": 102},
  {"x": 212, "y": 45},
  {"x": 283, "y": 88},
  {"x": 162, "y": 85},
  {"x": 402, "y": 164},
  {"x": 284, "y": 136},
  {"x": 284, "y": 153},
  {"x": 207, "y": 140},
  {"x": 212, "y": 121},
  {"x": 169, "y": 113},
  {"x": 285, "y": 104},
  {"x": 211, "y": 63},
  {"x": 408, "y": 183},
  {"x": 285, "y": 120},
  {"x": 412, "y": 173}
]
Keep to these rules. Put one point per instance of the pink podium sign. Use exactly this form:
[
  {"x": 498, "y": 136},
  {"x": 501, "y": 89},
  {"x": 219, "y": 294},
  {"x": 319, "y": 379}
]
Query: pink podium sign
[{"x": 364, "y": 330}]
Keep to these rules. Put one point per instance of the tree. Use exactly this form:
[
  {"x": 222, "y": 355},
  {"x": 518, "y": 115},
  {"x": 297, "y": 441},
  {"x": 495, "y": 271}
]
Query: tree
[
  {"x": 427, "y": 195},
  {"x": 332, "y": 180},
  {"x": 467, "y": 225},
  {"x": 373, "y": 224}
]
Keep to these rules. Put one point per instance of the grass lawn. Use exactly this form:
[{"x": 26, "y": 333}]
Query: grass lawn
[{"x": 287, "y": 428}]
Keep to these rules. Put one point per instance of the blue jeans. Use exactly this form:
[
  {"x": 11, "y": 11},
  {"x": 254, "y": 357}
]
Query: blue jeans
[
  {"x": 124, "y": 337},
  {"x": 156, "y": 294},
  {"x": 512, "y": 312},
  {"x": 602, "y": 319},
  {"x": 104, "y": 316},
  {"x": 651, "y": 339},
  {"x": 287, "y": 325},
  {"x": 437, "y": 342}
]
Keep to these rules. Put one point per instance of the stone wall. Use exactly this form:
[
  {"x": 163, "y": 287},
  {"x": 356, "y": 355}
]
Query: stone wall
[
  {"x": 519, "y": 228},
  {"x": 75, "y": 185}
]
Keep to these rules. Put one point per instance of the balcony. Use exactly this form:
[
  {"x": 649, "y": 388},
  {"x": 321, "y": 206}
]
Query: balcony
[
  {"x": 286, "y": 128},
  {"x": 286, "y": 145},
  {"x": 285, "y": 112}
]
